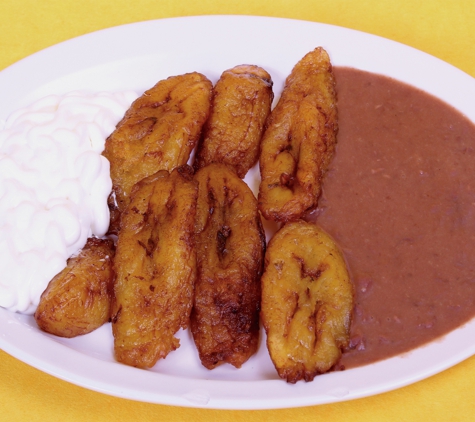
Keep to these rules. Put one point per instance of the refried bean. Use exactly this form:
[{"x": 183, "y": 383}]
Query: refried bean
[{"x": 399, "y": 198}]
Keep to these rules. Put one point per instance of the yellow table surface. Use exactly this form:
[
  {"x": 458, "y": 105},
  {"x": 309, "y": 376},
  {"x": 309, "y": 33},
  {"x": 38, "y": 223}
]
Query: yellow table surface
[{"x": 445, "y": 29}]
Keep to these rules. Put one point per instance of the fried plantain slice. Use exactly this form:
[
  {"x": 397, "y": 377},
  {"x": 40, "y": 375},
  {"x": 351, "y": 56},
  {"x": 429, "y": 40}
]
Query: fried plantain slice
[
  {"x": 242, "y": 100},
  {"x": 307, "y": 301},
  {"x": 230, "y": 246},
  {"x": 155, "y": 267},
  {"x": 299, "y": 141},
  {"x": 77, "y": 300},
  {"x": 158, "y": 132}
]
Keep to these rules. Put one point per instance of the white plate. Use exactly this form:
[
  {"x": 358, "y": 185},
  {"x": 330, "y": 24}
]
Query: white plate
[{"x": 135, "y": 57}]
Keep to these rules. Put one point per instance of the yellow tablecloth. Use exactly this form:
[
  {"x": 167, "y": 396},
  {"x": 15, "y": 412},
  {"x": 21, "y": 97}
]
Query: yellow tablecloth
[{"x": 445, "y": 29}]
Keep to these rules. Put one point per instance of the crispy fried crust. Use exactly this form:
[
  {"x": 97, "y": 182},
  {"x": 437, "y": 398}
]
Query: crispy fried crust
[
  {"x": 230, "y": 246},
  {"x": 156, "y": 268},
  {"x": 158, "y": 132},
  {"x": 241, "y": 102},
  {"x": 299, "y": 140},
  {"x": 307, "y": 300},
  {"x": 77, "y": 300}
]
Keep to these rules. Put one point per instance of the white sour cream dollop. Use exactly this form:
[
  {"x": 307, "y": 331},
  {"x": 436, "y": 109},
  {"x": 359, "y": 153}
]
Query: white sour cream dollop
[{"x": 54, "y": 185}]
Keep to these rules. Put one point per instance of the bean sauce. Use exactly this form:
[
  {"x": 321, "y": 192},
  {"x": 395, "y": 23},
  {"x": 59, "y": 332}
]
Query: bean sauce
[{"x": 399, "y": 198}]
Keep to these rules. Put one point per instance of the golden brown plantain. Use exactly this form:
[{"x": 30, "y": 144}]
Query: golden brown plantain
[
  {"x": 307, "y": 301},
  {"x": 230, "y": 246},
  {"x": 299, "y": 140},
  {"x": 242, "y": 100},
  {"x": 158, "y": 132},
  {"x": 155, "y": 266},
  {"x": 77, "y": 300}
]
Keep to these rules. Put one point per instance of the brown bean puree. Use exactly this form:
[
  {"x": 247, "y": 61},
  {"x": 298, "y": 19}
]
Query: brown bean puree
[{"x": 399, "y": 198}]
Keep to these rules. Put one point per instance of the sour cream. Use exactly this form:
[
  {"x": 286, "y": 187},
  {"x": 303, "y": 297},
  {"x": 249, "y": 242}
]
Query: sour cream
[{"x": 54, "y": 185}]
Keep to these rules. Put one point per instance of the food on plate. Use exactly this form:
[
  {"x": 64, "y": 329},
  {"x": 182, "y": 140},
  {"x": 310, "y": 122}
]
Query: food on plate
[
  {"x": 54, "y": 185},
  {"x": 299, "y": 140},
  {"x": 77, "y": 300},
  {"x": 242, "y": 100},
  {"x": 155, "y": 265},
  {"x": 158, "y": 132},
  {"x": 398, "y": 199},
  {"x": 307, "y": 301},
  {"x": 230, "y": 246},
  {"x": 371, "y": 202}
]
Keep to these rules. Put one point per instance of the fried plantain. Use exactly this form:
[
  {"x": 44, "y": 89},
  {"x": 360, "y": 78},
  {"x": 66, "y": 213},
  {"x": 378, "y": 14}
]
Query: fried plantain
[
  {"x": 155, "y": 267},
  {"x": 230, "y": 246},
  {"x": 307, "y": 301},
  {"x": 299, "y": 140},
  {"x": 242, "y": 100},
  {"x": 158, "y": 132},
  {"x": 77, "y": 300}
]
